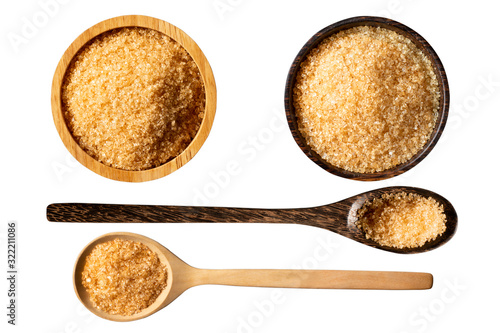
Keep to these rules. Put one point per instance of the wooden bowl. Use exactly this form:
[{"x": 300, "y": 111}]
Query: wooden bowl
[
  {"x": 421, "y": 43},
  {"x": 210, "y": 98}
]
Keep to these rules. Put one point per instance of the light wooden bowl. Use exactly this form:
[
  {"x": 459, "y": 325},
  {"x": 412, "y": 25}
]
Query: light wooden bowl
[
  {"x": 421, "y": 43},
  {"x": 210, "y": 98}
]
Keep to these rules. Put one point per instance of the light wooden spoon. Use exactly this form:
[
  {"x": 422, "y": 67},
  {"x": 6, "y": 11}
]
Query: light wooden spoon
[
  {"x": 182, "y": 276},
  {"x": 339, "y": 217}
]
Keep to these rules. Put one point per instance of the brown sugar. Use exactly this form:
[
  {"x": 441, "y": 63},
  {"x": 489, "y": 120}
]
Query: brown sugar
[
  {"x": 123, "y": 277},
  {"x": 366, "y": 99},
  {"x": 402, "y": 220},
  {"x": 133, "y": 98}
]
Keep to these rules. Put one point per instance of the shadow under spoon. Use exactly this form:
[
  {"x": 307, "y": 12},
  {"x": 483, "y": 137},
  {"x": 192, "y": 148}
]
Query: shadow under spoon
[
  {"x": 339, "y": 217},
  {"x": 182, "y": 276}
]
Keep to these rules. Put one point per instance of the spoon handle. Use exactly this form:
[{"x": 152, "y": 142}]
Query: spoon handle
[
  {"x": 81, "y": 212},
  {"x": 318, "y": 279}
]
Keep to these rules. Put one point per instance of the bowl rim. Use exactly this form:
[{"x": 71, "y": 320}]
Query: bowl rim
[
  {"x": 210, "y": 98},
  {"x": 421, "y": 43}
]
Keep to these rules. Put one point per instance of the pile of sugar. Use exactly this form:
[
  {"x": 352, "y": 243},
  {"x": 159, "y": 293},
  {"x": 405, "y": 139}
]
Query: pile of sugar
[
  {"x": 133, "y": 98},
  {"x": 402, "y": 220},
  {"x": 366, "y": 99},
  {"x": 123, "y": 277}
]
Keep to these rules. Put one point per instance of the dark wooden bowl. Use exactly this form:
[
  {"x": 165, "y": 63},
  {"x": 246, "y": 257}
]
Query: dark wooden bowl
[{"x": 420, "y": 42}]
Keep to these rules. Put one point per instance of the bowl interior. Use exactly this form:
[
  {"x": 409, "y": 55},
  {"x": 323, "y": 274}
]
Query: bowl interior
[
  {"x": 420, "y": 42},
  {"x": 210, "y": 98}
]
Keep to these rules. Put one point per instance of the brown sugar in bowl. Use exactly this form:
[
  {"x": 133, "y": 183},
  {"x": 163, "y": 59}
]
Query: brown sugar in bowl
[
  {"x": 186, "y": 152},
  {"x": 294, "y": 121}
]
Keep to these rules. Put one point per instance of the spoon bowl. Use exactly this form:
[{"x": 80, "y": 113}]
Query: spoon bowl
[
  {"x": 182, "y": 276},
  {"x": 339, "y": 217},
  {"x": 359, "y": 200},
  {"x": 83, "y": 295}
]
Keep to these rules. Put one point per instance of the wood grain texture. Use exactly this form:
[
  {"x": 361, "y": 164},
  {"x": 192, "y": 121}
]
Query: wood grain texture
[
  {"x": 421, "y": 43},
  {"x": 208, "y": 80},
  {"x": 339, "y": 217},
  {"x": 182, "y": 276},
  {"x": 318, "y": 279}
]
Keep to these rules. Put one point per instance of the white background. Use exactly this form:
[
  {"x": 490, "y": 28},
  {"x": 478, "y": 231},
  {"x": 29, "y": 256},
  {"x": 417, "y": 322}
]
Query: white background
[{"x": 250, "y": 45}]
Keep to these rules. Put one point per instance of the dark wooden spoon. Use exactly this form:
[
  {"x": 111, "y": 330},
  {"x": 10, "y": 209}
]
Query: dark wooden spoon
[{"x": 339, "y": 217}]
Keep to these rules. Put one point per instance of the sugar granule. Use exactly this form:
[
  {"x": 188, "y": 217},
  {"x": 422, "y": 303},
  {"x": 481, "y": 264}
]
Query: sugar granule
[
  {"x": 366, "y": 99},
  {"x": 402, "y": 220},
  {"x": 123, "y": 277},
  {"x": 133, "y": 98}
]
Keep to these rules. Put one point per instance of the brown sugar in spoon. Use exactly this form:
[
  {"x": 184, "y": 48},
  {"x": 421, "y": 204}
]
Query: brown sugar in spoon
[
  {"x": 182, "y": 276},
  {"x": 339, "y": 217}
]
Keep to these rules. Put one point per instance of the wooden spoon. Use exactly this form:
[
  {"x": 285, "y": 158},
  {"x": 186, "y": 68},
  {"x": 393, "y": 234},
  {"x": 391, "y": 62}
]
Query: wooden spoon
[
  {"x": 339, "y": 217},
  {"x": 182, "y": 276}
]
